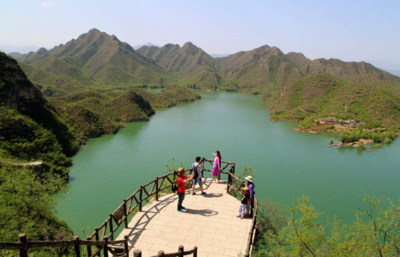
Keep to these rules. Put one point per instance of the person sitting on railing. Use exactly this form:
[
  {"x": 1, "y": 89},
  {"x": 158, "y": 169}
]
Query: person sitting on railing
[
  {"x": 244, "y": 203},
  {"x": 198, "y": 167},
  {"x": 182, "y": 180}
]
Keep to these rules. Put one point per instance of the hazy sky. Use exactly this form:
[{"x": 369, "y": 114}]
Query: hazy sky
[{"x": 351, "y": 30}]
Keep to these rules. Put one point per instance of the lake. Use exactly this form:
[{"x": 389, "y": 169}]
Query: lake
[{"x": 288, "y": 164}]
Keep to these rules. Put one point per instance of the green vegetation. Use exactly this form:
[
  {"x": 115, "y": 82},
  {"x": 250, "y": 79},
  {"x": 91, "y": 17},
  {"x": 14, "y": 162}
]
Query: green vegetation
[
  {"x": 26, "y": 204},
  {"x": 377, "y": 135},
  {"x": 323, "y": 95},
  {"x": 297, "y": 231},
  {"x": 361, "y": 145},
  {"x": 23, "y": 139}
]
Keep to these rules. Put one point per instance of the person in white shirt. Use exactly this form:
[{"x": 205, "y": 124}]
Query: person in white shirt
[{"x": 198, "y": 167}]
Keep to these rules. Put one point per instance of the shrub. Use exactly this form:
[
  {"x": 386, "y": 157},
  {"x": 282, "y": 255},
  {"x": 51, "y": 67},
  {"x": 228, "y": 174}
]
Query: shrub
[
  {"x": 343, "y": 138},
  {"x": 331, "y": 142},
  {"x": 361, "y": 145},
  {"x": 388, "y": 140}
]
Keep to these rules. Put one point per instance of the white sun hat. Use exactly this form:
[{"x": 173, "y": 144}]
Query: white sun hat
[{"x": 249, "y": 178}]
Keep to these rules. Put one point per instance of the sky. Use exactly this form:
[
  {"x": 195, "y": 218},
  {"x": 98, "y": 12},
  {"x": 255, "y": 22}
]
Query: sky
[{"x": 351, "y": 30}]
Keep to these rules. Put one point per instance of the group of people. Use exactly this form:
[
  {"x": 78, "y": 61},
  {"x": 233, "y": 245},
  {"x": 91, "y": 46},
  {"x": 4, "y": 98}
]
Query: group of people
[{"x": 196, "y": 178}]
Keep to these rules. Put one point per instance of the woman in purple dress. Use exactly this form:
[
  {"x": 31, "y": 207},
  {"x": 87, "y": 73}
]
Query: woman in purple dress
[{"x": 217, "y": 166}]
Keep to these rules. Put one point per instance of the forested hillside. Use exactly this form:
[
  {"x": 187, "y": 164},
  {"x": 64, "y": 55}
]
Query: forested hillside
[
  {"x": 37, "y": 135},
  {"x": 323, "y": 95}
]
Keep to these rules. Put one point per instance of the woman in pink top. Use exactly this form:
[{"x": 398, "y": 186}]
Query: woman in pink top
[{"x": 217, "y": 166}]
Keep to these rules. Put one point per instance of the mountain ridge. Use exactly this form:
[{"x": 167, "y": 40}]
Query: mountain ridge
[{"x": 100, "y": 58}]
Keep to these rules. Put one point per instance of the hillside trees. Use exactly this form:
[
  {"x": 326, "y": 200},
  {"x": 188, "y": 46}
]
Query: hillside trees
[
  {"x": 26, "y": 204},
  {"x": 298, "y": 231}
]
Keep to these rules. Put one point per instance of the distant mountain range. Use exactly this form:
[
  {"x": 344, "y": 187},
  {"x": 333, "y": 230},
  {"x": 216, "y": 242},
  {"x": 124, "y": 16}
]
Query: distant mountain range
[
  {"x": 394, "y": 72},
  {"x": 19, "y": 49},
  {"x": 191, "y": 64},
  {"x": 98, "y": 60},
  {"x": 219, "y": 55},
  {"x": 148, "y": 44}
]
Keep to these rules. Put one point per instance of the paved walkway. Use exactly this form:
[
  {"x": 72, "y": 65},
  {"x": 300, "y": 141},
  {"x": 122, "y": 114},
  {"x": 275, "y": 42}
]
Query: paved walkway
[{"x": 209, "y": 223}]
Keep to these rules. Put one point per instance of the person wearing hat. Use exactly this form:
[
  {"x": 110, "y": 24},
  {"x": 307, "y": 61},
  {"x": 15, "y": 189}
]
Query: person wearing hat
[
  {"x": 181, "y": 181},
  {"x": 244, "y": 203},
  {"x": 250, "y": 186}
]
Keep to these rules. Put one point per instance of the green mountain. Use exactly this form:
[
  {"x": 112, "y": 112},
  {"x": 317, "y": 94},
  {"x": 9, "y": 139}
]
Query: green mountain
[
  {"x": 323, "y": 95},
  {"x": 190, "y": 63},
  {"x": 94, "y": 59},
  {"x": 363, "y": 71},
  {"x": 265, "y": 69}
]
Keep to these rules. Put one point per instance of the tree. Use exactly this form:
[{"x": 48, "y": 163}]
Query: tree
[{"x": 374, "y": 233}]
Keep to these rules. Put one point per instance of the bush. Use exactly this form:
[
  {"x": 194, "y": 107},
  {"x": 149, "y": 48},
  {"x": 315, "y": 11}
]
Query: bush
[
  {"x": 331, "y": 142},
  {"x": 361, "y": 145},
  {"x": 343, "y": 138},
  {"x": 388, "y": 140}
]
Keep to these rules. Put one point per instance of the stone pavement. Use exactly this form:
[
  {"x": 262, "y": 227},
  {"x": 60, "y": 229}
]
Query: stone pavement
[{"x": 209, "y": 223}]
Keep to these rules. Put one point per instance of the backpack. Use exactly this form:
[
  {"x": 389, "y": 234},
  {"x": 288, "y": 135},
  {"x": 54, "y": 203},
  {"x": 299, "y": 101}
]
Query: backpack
[
  {"x": 195, "y": 173},
  {"x": 175, "y": 186}
]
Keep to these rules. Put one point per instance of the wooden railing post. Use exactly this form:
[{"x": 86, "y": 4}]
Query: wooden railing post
[
  {"x": 76, "y": 247},
  {"x": 195, "y": 252},
  {"x": 105, "y": 248},
  {"x": 125, "y": 212},
  {"x": 161, "y": 253},
  {"x": 24, "y": 251},
  {"x": 140, "y": 198},
  {"x": 252, "y": 207},
  {"x": 97, "y": 233},
  {"x": 126, "y": 247},
  {"x": 229, "y": 180},
  {"x": 156, "y": 188},
  {"x": 202, "y": 171},
  {"x": 111, "y": 227},
  {"x": 180, "y": 251},
  {"x": 89, "y": 248},
  {"x": 137, "y": 253}
]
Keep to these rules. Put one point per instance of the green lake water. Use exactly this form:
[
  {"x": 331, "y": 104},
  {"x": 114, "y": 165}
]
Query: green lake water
[{"x": 288, "y": 164}]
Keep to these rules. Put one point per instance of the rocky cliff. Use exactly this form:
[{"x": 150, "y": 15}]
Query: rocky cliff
[{"x": 16, "y": 91}]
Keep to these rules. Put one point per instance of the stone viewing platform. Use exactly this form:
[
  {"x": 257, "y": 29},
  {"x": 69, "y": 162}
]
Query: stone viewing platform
[{"x": 209, "y": 222}]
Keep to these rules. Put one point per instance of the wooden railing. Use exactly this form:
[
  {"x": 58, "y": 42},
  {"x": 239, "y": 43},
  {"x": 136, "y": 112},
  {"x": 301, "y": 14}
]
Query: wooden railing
[
  {"x": 135, "y": 201},
  {"x": 235, "y": 184},
  {"x": 105, "y": 232},
  {"x": 107, "y": 246}
]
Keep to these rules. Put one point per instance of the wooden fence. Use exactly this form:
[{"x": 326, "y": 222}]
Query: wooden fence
[
  {"x": 107, "y": 246},
  {"x": 103, "y": 236}
]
